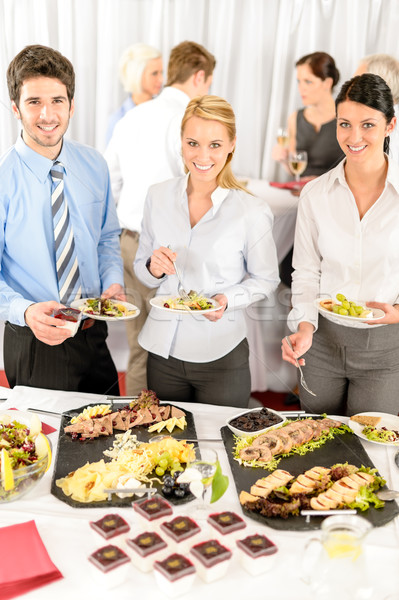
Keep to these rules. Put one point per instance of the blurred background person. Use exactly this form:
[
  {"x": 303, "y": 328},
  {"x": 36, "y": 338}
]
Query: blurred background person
[
  {"x": 346, "y": 242},
  {"x": 387, "y": 67},
  {"x": 145, "y": 148},
  {"x": 141, "y": 74},
  {"x": 221, "y": 237},
  {"x": 313, "y": 128}
]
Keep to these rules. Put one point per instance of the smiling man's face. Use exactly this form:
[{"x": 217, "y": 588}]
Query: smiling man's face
[{"x": 44, "y": 110}]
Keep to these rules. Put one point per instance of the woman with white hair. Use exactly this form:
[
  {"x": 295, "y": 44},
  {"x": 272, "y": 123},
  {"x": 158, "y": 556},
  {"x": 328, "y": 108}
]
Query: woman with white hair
[
  {"x": 387, "y": 67},
  {"x": 140, "y": 72}
]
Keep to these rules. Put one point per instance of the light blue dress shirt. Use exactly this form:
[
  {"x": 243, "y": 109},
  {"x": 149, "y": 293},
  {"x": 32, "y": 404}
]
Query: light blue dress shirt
[
  {"x": 116, "y": 116},
  {"x": 229, "y": 251},
  {"x": 27, "y": 258}
]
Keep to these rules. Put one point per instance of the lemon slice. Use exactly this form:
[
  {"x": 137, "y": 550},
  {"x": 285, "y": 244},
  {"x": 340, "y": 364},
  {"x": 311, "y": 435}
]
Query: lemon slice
[
  {"x": 43, "y": 448},
  {"x": 7, "y": 474}
]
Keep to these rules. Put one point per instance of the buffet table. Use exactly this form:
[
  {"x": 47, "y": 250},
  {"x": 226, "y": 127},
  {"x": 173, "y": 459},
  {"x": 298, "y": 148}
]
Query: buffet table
[{"x": 67, "y": 536}]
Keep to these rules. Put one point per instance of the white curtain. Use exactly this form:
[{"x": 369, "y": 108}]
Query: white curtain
[{"x": 256, "y": 43}]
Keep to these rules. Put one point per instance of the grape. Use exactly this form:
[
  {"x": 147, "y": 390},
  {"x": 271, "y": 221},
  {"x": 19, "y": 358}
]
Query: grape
[
  {"x": 336, "y": 308},
  {"x": 343, "y": 311},
  {"x": 179, "y": 493},
  {"x": 163, "y": 463},
  {"x": 345, "y": 304},
  {"x": 168, "y": 481},
  {"x": 159, "y": 471},
  {"x": 340, "y": 297},
  {"x": 167, "y": 490},
  {"x": 352, "y": 311},
  {"x": 359, "y": 309}
]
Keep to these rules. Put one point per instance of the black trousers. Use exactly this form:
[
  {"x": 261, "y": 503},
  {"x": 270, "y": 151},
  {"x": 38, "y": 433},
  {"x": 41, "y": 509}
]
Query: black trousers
[
  {"x": 81, "y": 364},
  {"x": 225, "y": 382}
]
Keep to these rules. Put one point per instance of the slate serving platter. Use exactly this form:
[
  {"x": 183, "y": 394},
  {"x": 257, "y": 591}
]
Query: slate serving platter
[
  {"x": 72, "y": 454},
  {"x": 343, "y": 448}
]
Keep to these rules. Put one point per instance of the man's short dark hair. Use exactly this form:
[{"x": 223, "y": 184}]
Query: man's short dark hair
[
  {"x": 188, "y": 58},
  {"x": 39, "y": 61}
]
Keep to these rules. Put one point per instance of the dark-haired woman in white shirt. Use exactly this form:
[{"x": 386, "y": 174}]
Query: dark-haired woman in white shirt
[{"x": 347, "y": 242}]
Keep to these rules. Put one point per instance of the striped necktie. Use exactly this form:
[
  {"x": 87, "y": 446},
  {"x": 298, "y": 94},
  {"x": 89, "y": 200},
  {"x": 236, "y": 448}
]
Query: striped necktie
[{"x": 65, "y": 254}]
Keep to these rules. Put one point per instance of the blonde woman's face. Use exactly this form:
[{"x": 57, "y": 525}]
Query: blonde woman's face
[
  {"x": 152, "y": 79},
  {"x": 205, "y": 147}
]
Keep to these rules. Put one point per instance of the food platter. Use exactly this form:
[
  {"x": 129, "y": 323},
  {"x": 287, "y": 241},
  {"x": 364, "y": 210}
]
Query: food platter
[
  {"x": 79, "y": 303},
  {"x": 159, "y": 301},
  {"x": 340, "y": 319},
  {"x": 388, "y": 421},
  {"x": 343, "y": 448},
  {"x": 72, "y": 454}
]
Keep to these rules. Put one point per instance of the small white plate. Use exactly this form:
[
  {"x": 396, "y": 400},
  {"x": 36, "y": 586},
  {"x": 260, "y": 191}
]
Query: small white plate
[
  {"x": 242, "y": 433},
  {"x": 159, "y": 301},
  {"x": 389, "y": 421},
  {"x": 377, "y": 313},
  {"x": 82, "y": 302}
]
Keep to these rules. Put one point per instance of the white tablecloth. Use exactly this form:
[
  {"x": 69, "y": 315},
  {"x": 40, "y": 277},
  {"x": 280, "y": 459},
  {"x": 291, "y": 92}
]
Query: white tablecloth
[{"x": 67, "y": 537}]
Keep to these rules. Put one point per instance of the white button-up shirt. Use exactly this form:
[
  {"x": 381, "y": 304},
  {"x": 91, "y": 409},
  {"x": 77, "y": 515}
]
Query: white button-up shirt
[
  {"x": 145, "y": 148},
  {"x": 337, "y": 252},
  {"x": 229, "y": 251}
]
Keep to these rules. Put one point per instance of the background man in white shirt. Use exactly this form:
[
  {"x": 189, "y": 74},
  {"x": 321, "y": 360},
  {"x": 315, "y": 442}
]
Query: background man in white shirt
[{"x": 145, "y": 149}]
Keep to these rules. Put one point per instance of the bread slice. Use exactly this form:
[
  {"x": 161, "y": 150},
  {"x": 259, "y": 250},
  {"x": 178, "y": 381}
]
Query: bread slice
[{"x": 366, "y": 420}]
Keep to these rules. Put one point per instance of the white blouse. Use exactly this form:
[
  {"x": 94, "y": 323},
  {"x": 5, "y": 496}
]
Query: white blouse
[
  {"x": 229, "y": 251},
  {"x": 336, "y": 251}
]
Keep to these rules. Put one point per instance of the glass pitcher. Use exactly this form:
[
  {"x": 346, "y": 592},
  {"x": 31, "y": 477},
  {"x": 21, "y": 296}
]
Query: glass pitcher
[{"x": 334, "y": 566}]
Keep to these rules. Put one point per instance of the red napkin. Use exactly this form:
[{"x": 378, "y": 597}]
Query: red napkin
[
  {"x": 24, "y": 562},
  {"x": 46, "y": 429},
  {"x": 288, "y": 185}
]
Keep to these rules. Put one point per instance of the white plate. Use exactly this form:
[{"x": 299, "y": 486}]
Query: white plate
[
  {"x": 242, "y": 433},
  {"x": 79, "y": 303},
  {"x": 159, "y": 301},
  {"x": 377, "y": 313},
  {"x": 389, "y": 421}
]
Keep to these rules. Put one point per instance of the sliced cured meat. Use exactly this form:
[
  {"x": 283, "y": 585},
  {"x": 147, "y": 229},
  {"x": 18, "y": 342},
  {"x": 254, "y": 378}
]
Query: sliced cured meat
[
  {"x": 285, "y": 438},
  {"x": 307, "y": 432},
  {"x": 297, "y": 437},
  {"x": 246, "y": 498},
  {"x": 176, "y": 412},
  {"x": 331, "y": 423},
  {"x": 250, "y": 453},
  {"x": 265, "y": 453},
  {"x": 273, "y": 442}
]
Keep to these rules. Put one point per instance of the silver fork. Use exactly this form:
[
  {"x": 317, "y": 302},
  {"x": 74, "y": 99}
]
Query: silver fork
[
  {"x": 302, "y": 380},
  {"x": 182, "y": 292}
]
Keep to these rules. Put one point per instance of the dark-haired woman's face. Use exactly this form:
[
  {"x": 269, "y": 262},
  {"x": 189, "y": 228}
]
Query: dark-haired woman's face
[
  {"x": 311, "y": 88},
  {"x": 361, "y": 132}
]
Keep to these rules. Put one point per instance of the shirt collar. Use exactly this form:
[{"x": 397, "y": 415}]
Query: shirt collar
[
  {"x": 175, "y": 93},
  {"x": 217, "y": 196},
  {"x": 338, "y": 174},
  {"x": 38, "y": 164}
]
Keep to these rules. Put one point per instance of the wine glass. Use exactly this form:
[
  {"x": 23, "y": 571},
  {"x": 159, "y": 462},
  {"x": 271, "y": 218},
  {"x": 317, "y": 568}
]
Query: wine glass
[
  {"x": 206, "y": 467},
  {"x": 297, "y": 162},
  {"x": 282, "y": 137}
]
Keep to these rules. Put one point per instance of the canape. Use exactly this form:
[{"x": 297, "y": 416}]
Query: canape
[
  {"x": 256, "y": 553},
  {"x": 227, "y": 526},
  {"x": 109, "y": 566},
  {"x": 181, "y": 533},
  {"x": 211, "y": 560},
  {"x": 174, "y": 575},
  {"x": 111, "y": 527},
  {"x": 145, "y": 549},
  {"x": 152, "y": 512}
]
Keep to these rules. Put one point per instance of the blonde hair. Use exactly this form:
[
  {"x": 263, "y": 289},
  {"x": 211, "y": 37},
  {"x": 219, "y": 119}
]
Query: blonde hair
[
  {"x": 132, "y": 64},
  {"x": 213, "y": 108},
  {"x": 387, "y": 67}
]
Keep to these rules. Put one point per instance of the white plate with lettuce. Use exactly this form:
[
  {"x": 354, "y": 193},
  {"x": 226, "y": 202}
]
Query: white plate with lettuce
[{"x": 379, "y": 433}]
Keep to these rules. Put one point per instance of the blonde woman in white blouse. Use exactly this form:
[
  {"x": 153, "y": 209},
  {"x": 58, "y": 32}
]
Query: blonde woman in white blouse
[{"x": 346, "y": 242}]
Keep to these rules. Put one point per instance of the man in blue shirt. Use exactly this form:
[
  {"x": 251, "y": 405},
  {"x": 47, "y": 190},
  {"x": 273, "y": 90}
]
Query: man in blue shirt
[{"x": 38, "y": 350}]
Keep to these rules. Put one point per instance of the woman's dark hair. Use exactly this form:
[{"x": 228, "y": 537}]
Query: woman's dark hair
[
  {"x": 372, "y": 91},
  {"x": 322, "y": 66}
]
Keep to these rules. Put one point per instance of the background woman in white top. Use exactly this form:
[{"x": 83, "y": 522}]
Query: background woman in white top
[
  {"x": 347, "y": 241},
  {"x": 221, "y": 238}
]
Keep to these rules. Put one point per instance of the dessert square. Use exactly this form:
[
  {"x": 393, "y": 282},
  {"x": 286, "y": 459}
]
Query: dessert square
[
  {"x": 145, "y": 549},
  {"x": 112, "y": 526},
  {"x": 109, "y": 565},
  {"x": 174, "y": 575},
  {"x": 227, "y": 525},
  {"x": 211, "y": 560},
  {"x": 152, "y": 511},
  {"x": 256, "y": 553},
  {"x": 182, "y": 532}
]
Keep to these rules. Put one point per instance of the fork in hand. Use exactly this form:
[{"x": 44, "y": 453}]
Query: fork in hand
[
  {"x": 182, "y": 292},
  {"x": 302, "y": 378}
]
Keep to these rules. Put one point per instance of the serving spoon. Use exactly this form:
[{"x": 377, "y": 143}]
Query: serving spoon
[{"x": 387, "y": 495}]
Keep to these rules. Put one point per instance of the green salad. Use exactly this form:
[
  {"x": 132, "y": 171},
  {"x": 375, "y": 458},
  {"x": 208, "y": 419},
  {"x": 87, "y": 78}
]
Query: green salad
[{"x": 381, "y": 435}]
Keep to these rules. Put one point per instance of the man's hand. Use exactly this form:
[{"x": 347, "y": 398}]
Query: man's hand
[
  {"x": 218, "y": 314},
  {"x": 115, "y": 291},
  {"x": 47, "y": 329}
]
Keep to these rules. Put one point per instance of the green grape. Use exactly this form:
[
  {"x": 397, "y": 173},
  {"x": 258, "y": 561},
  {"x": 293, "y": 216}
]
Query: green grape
[
  {"x": 159, "y": 471},
  {"x": 163, "y": 463},
  {"x": 359, "y": 309},
  {"x": 166, "y": 456},
  {"x": 343, "y": 311},
  {"x": 346, "y": 305},
  {"x": 352, "y": 312},
  {"x": 336, "y": 308},
  {"x": 340, "y": 297}
]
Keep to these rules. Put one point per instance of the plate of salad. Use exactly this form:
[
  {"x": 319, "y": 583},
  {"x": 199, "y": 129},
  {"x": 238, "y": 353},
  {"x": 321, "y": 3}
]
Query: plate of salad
[
  {"x": 106, "y": 309},
  {"x": 385, "y": 431},
  {"x": 196, "y": 304}
]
